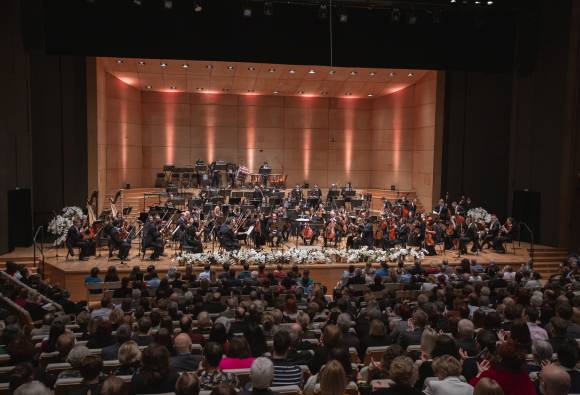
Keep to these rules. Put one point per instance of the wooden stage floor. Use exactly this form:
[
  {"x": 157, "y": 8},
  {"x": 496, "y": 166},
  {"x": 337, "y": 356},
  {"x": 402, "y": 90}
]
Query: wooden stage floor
[{"x": 71, "y": 273}]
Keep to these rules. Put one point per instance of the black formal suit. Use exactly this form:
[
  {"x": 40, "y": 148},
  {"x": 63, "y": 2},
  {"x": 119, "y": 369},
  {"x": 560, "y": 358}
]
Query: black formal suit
[
  {"x": 152, "y": 239},
  {"x": 74, "y": 238},
  {"x": 116, "y": 243},
  {"x": 492, "y": 233},
  {"x": 469, "y": 234},
  {"x": 228, "y": 238},
  {"x": 185, "y": 362}
]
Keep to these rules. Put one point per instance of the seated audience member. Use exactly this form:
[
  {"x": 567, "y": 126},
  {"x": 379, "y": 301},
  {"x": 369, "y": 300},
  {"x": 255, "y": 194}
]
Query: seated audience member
[
  {"x": 91, "y": 368},
  {"x": 466, "y": 340},
  {"x": 350, "y": 339},
  {"x": 444, "y": 345},
  {"x": 64, "y": 344},
  {"x": 332, "y": 379},
  {"x": 156, "y": 375},
  {"x": 104, "y": 311},
  {"x": 447, "y": 370},
  {"x": 508, "y": 369},
  {"x": 143, "y": 337},
  {"x": 129, "y": 359},
  {"x": 238, "y": 355},
  {"x": 285, "y": 372},
  {"x": 103, "y": 336},
  {"x": 184, "y": 360},
  {"x": 21, "y": 374},
  {"x": 554, "y": 380},
  {"x": 33, "y": 388},
  {"x": 223, "y": 389},
  {"x": 568, "y": 354},
  {"x": 542, "y": 352},
  {"x": 74, "y": 358},
  {"x": 187, "y": 384},
  {"x": 123, "y": 334},
  {"x": 377, "y": 336},
  {"x": 114, "y": 385},
  {"x": 487, "y": 386},
  {"x": 342, "y": 356},
  {"x": 210, "y": 374},
  {"x": 331, "y": 338},
  {"x": 403, "y": 373},
  {"x": 261, "y": 376},
  {"x": 416, "y": 325}
]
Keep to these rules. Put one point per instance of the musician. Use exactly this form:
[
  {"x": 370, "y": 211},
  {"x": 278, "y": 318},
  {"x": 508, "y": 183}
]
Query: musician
[
  {"x": 315, "y": 191},
  {"x": 506, "y": 235},
  {"x": 120, "y": 239},
  {"x": 190, "y": 238},
  {"x": 441, "y": 210},
  {"x": 367, "y": 236},
  {"x": 206, "y": 193},
  {"x": 274, "y": 231},
  {"x": 468, "y": 232},
  {"x": 403, "y": 232},
  {"x": 199, "y": 163},
  {"x": 257, "y": 196},
  {"x": 492, "y": 232},
  {"x": 429, "y": 241},
  {"x": 296, "y": 193},
  {"x": 231, "y": 170},
  {"x": 227, "y": 237},
  {"x": 308, "y": 235},
  {"x": 257, "y": 233},
  {"x": 264, "y": 171},
  {"x": 456, "y": 209},
  {"x": 152, "y": 238},
  {"x": 181, "y": 224},
  {"x": 74, "y": 238}
]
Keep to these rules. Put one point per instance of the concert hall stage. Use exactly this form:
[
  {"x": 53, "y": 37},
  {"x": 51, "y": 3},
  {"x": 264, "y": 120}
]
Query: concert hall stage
[{"x": 71, "y": 273}]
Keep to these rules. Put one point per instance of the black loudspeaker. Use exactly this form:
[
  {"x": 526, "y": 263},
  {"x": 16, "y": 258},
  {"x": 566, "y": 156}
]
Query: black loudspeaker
[
  {"x": 19, "y": 218},
  {"x": 526, "y": 209}
]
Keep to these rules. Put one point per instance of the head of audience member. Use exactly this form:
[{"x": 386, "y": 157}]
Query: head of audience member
[
  {"x": 403, "y": 371},
  {"x": 331, "y": 336},
  {"x": 487, "y": 386},
  {"x": 333, "y": 379},
  {"x": 155, "y": 364},
  {"x": 520, "y": 333},
  {"x": 223, "y": 389},
  {"x": 187, "y": 384},
  {"x": 21, "y": 349},
  {"x": 114, "y": 385},
  {"x": 64, "y": 344},
  {"x": 510, "y": 357},
  {"x": 129, "y": 354},
  {"x": 344, "y": 323},
  {"x": 182, "y": 344},
  {"x": 282, "y": 342},
  {"x": 21, "y": 374},
  {"x": 554, "y": 380},
  {"x": 212, "y": 355},
  {"x": 32, "y": 388},
  {"x": 542, "y": 351},
  {"x": 446, "y": 366},
  {"x": 239, "y": 348},
  {"x": 261, "y": 373},
  {"x": 445, "y": 345},
  {"x": 465, "y": 329},
  {"x": 428, "y": 340},
  {"x": 91, "y": 368},
  {"x": 568, "y": 354}
]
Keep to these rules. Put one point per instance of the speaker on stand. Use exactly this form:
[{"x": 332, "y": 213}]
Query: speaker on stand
[{"x": 19, "y": 218}]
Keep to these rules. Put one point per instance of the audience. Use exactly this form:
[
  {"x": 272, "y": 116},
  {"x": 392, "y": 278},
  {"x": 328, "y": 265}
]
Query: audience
[
  {"x": 156, "y": 375},
  {"x": 210, "y": 374},
  {"x": 285, "y": 371},
  {"x": 261, "y": 377}
]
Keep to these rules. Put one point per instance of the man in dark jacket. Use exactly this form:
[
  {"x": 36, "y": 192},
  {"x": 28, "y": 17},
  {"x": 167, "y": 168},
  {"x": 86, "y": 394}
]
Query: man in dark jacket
[
  {"x": 184, "y": 360},
  {"x": 123, "y": 334}
]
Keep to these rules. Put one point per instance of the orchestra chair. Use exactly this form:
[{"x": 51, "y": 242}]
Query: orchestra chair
[
  {"x": 4, "y": 389},
  {"x": 374, "y": 353},
  {"x": 351, "y": 389},
  {"x": 70, "y": 252},
  {"x": 243, "y": 375},
  {"x": 66, "y": 385},
  {"x": 5, "y": 373},
  {"x": 353, "y": 355}
]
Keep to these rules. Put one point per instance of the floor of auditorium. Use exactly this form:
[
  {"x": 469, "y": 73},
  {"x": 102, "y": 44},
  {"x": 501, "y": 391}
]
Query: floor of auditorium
[{"x": 70, "y": 273}]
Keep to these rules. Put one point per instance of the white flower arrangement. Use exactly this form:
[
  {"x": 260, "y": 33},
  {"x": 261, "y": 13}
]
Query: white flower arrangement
[
  {"x": 479, "y": 214},
  {"x": 60, "y": 224},
  {"x": 299, "y": 256}
]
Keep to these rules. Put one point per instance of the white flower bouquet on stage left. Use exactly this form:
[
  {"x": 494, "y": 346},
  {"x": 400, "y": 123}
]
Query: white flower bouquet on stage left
[
  {"x": 60, "y": 224},
  {"x": 479, "y": 214}
]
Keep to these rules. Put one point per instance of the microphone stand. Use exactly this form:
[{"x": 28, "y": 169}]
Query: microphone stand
[
  {"x": 41, "y": 249},
  {"x": 531, "y": 238}
]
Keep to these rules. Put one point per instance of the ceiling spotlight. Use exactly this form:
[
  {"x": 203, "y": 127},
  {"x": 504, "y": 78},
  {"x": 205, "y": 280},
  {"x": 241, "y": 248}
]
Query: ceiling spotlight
[
  {"x": 348, "y": 94},
  {"x": 250, "y": 90},
  {"x": 323, "y": 11},
  {"x": 251, "y": 68},
  {"x": 490, "y": 2},
  {"x": 185, "y": 66},
  {"x": 197, "y": 7},
  {"x": 372, "y": 73},
  {"x": 353, "y": 72},
  {"x": 311, "y": 71},
  {"x": 141, "y": 63},
  {"x": 268, "y": 8},
  {"x": 331, "y": 72},
  {"x": 369, "y": 94},
  {"x": 148, "y": 86},
  {"x": 410, "y": 75},
  {"x": 271, "y": 70},
  {"x": 292, "y": 71},
  {"x": 172, "y": 87},
  {"x": 396, "y": 15},
  {"x": 392, "y": 74},
  {"x": 412, "y": 19},
  {"x": 230, "y": 67},
  {"x": 300, "y": 92},
  {"x": 163, "y": 64},
  {"x": 453, "y": 1},
  {"x": 247, "y": 12},
  {"x": 137, "y": 2},
  {"x": 275, "y": 92},
  {"x": 343, "y": 17},
  {"x": 209, "y": 66},
  {"x": 477, "y": 2},
  {"x": 168, "y": 4}
]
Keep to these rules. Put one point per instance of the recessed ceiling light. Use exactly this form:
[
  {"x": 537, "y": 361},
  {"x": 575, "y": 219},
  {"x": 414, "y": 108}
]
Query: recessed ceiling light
[
  {"x": 324, "y": 93},
  {"x": 410, "y": 75},
  {"x": 209, "y": 66},
  {"x": 311, "y": 71},
  {"x": 168, "y": 4},
  {"x": 172, "y": 87},
  {"x": 477, "y": 2},
  {"x": 271, "y": 70},
  {"x": 197, "y": 7},
  {"x": 348, "y": 94},
  {"x": 141, "y": 63},
  {"x": 250, "y": 90},
  {"x": 372, "y": 73},
  {"x": 148, "y": 86},
  {"x": 300, "y": 92},
  {"x": 292, "y": 71},
  {"x": 225, "y": 89},
  {"x": 275, "y": 92},
  {"x": 392, "y": 74},
  {"x": 120, "y": 61},
  {"x": 369, "y": 94},
  {"x": 353, "y": 72},
  {"x": 490, "y": 2},
  {"x": 163, "y": 64},
  {"x": 332, "y": 72},
  {"x": 251, "y": 68},
  {"x": 185, "y": 66},
  {"x": 453, "y": 1},
  {"x": 230, "y": 67}
]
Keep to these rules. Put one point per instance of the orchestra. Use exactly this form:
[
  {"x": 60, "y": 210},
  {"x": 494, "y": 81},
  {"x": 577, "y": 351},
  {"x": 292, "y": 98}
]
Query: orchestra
[{"x": 266, "y": 216}]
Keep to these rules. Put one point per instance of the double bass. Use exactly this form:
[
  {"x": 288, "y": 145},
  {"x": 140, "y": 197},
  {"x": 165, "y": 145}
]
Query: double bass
[{"x": 330, "y": 233}]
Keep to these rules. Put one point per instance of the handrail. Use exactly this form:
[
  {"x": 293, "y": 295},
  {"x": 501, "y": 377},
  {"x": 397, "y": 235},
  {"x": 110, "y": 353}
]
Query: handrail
[{"x": 30, "y": 289}]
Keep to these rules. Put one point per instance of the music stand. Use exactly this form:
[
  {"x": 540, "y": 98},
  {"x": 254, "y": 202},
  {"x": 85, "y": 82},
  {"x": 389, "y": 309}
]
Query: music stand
[
  {"x": 225, "y": 192},
  {"x": 234, "y": 200},
  {"x": 356, "y": 202}
]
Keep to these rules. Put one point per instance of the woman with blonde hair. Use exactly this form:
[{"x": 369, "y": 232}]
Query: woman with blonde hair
[
  {"x": 487, "y": 386},
  {"x": 332, "y": 379},
  {"x": 447, "y": 369},
  {"x": 129, "y": 359}
]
